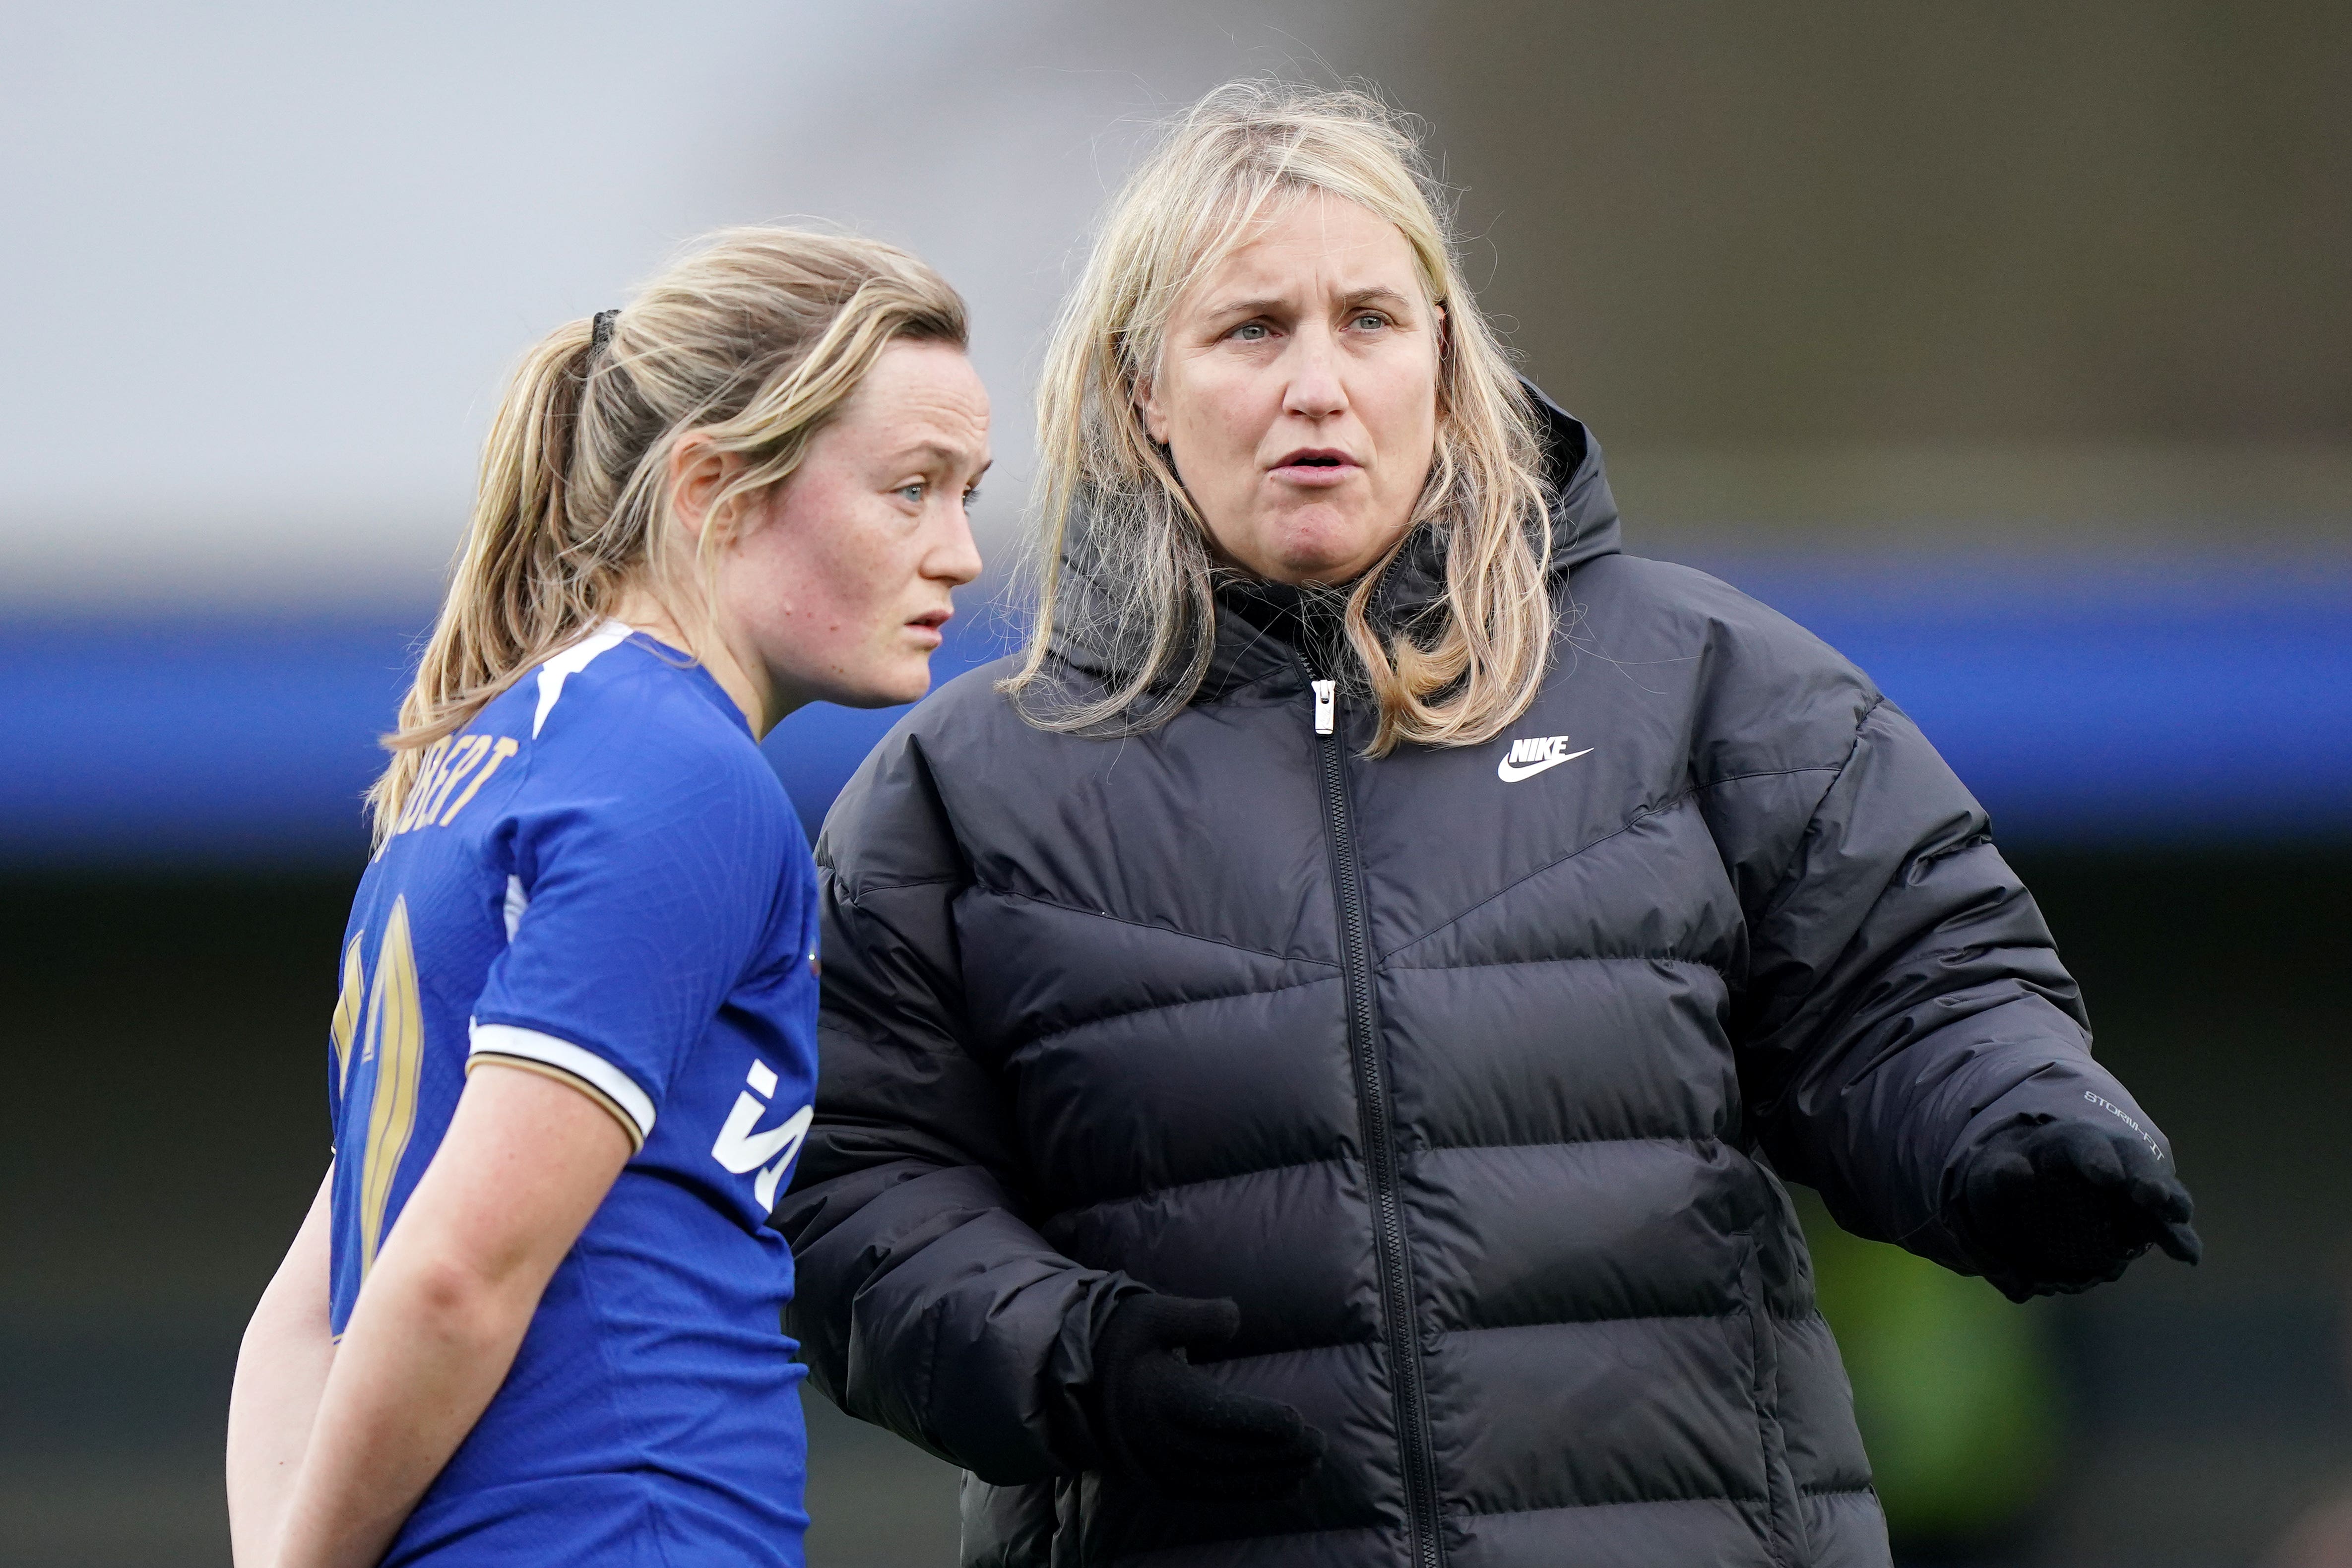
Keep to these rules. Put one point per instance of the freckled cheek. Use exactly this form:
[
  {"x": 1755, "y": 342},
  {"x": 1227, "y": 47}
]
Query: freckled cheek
[{"x": 858, "y": 593}]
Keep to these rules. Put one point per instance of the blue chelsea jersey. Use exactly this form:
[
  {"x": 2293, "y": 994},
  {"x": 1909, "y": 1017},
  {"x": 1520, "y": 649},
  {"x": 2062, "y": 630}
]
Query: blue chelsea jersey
[{"x": 601, "y": 880}]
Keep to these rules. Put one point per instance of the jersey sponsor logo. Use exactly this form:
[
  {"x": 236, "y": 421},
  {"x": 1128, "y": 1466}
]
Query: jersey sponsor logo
[
  {"x": 393, "y": 1045},
  {"x": 740, "y": 1149},
  {"x": 1533, "y": 754}
]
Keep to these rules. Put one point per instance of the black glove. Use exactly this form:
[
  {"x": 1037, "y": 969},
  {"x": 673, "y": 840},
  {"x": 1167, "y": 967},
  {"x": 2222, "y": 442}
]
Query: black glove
[
  {"x": 1160, "y": 1420},
  {"x": 2064, "y": 1206}
]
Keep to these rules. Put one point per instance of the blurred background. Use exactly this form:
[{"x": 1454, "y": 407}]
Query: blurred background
[{"x": 2008, "y": 346}]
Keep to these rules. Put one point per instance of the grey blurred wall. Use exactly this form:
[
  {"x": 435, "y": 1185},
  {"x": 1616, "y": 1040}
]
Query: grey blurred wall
[
  {"x": 1846, "y": 263},
  {"x": 1842, "y": 221},
  {"x": 1833, "y": 263},
  {"x": 272, "y": 258}
]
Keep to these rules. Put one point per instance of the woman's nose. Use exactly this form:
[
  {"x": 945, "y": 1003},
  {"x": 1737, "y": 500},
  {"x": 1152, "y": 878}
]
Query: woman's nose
[
  {"x": 1315, "y": 390},
  {"x": 955, "y": 558}
]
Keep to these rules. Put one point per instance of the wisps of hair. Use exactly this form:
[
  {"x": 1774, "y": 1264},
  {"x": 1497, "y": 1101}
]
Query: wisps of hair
[
  {"x": 754, "y": 338},
  {"x": 1120, "y": 561}
]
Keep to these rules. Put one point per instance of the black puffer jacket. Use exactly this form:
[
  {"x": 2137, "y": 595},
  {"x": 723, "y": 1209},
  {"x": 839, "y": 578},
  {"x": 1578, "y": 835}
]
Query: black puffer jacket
[{"x": 1464, "y": 1071}]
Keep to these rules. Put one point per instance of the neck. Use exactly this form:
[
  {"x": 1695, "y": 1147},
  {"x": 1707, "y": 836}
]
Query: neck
[{"x": 644, "y": 611}]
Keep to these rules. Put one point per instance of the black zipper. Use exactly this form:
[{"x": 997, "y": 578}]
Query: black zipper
[{"x": 1379, "y": 1164}]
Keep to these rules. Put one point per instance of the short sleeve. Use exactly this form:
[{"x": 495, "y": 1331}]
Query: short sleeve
[{"x": 634, "y": 907}]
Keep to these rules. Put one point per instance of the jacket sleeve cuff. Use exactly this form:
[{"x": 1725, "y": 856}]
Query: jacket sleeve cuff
[{"x": 1073, "y": 1409}]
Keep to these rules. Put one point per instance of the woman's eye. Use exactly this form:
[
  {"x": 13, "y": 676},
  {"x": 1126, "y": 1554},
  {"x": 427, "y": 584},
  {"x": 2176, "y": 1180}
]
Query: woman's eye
[
  {"x": 1251, "y": 332},
  {"x": 1372, "y": 320},
  {"x": 971, "y": 495},
  {"x": 911, "y": 493}
]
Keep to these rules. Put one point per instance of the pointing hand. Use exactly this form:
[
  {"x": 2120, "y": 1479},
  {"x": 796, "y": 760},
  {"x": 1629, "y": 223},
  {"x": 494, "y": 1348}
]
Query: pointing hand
[{"x": 2068, "y": 1205}]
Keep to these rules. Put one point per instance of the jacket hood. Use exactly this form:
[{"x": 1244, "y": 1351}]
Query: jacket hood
[
  {"x": 1583, "y": 529},
  {"x": 1583, "y": 515},
  {"x": 1583, "y": 509}
]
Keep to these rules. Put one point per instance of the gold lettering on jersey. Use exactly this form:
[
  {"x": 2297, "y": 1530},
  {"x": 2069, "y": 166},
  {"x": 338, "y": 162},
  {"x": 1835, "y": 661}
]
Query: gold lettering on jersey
[
  {"x": 429, "y": 773},
  {"x": 470, "y": 750},
  {"x": 348, "y": 1002},
  {"x": 507, "y": 746},
  {"x": 394, "y": 1041},
  {"x": 467, "y": 759}
]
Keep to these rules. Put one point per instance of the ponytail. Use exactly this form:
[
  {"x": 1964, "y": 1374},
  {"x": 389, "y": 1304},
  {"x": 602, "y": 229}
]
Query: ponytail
[{"x": 756, "y": 339}]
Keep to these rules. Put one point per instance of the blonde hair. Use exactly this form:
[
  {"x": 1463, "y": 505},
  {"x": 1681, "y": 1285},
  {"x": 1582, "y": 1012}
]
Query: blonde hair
[
  {"x": 753, "y": 339},
  {"x": 1119, "y": 553}
]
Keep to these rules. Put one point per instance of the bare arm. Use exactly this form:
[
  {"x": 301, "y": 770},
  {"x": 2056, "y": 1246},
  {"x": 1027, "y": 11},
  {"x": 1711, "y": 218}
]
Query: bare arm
[
  {"x": 281, "y": 1369},
  {"x": 525, "y": 1163}
]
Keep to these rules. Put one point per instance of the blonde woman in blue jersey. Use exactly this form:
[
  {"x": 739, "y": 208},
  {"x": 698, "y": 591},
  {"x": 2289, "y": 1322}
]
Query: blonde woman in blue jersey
[{"x": 532, "y": 1314}]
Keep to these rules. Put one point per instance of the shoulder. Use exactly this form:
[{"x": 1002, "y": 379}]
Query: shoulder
[
  {"x": 1672, "y": 605},
  {"x": 634, "y": 729},
  {"x": 1764, "y": 692},
  {"x": 891, "y": 824},
  {"x": 968, "y": 705},
  {"x": 964, "y": 713}
]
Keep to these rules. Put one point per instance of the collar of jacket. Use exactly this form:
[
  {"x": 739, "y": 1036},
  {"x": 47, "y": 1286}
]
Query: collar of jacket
[{"x": 1251, "y": 646}]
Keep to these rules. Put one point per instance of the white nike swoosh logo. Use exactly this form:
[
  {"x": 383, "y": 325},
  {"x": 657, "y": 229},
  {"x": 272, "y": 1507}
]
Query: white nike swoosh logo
[{"x": 1511, "y": 773}]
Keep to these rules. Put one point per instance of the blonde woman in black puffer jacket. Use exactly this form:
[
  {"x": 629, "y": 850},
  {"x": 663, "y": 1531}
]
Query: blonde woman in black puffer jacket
[{"x": 1310, "y": 1051}]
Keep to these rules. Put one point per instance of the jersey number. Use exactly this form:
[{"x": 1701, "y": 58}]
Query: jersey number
[{"x": 389, "y": 1031}]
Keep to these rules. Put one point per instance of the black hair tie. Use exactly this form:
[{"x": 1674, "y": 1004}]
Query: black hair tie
[{"x": 601, "y": 334}]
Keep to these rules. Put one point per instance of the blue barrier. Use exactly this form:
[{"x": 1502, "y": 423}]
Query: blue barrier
[
  {"x": 2098, "y": 700},
  {"x": 2084, "y": 699}
]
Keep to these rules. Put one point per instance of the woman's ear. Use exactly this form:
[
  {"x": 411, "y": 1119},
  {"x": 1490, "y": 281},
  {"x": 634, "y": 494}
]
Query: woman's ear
[
  {"x": 1155, "y": 422},
  {"x": 699, "y": 470}
]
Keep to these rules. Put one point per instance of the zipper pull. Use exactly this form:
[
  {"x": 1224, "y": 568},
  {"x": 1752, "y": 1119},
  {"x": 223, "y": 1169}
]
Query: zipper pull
[{"x": 1326, "y": 702}]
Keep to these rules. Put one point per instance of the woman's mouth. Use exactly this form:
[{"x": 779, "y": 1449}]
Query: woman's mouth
[
  {"x": 1315, "y": 468},
  {"x": 928, "y": 625}
]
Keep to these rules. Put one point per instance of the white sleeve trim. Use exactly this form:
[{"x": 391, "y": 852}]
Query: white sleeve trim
[{"x": 508, "y": 1040}]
